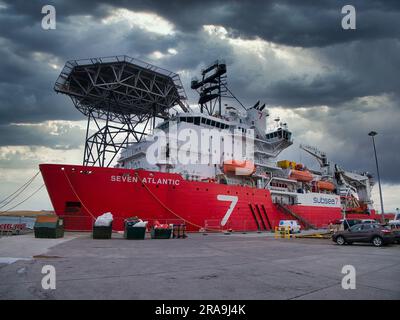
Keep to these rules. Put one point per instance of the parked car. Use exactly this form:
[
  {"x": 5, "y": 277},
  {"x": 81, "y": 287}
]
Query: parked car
[
  {"x": 368, "y": 221},
  {"x": 293, "y": 225},
  {"x": 364, "y": 232},
  {"x": 396, "y": 218},
  {"x": 348, "y": 223},
  {"x": 395, "y": 227}
]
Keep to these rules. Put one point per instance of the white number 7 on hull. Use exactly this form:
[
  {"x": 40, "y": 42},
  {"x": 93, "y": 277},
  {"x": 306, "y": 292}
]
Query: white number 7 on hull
[{"x": 233, "y": 200}]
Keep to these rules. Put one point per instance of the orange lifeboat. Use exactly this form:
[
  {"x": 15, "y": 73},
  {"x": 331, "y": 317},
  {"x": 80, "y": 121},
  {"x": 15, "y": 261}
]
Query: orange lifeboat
[
  {"x": 325, "y": 185},
  {"x": 240, "y": 168},
  {"x": 303, "y": 176}
]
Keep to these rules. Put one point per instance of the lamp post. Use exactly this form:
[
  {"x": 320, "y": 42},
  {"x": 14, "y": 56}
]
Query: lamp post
[{"x": 373, "y": 134}]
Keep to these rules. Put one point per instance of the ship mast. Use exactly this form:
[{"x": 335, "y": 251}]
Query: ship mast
[{"x": 212, "y": 88}]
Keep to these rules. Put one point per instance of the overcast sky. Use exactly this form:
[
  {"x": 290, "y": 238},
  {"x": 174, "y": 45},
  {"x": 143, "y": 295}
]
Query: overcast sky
[{"x": 332, "y": 86}]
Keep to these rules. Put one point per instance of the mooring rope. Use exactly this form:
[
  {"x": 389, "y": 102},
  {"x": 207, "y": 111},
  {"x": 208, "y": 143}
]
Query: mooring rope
[
  {"x": 170, "y": 210},
  {"x": 76, "y": 194},
  {"x": 17, "y": 192},
  {"x": 18, "y": 204}
]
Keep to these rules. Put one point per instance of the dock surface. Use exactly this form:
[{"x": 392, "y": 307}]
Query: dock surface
[{"x": 213, "y": 266}]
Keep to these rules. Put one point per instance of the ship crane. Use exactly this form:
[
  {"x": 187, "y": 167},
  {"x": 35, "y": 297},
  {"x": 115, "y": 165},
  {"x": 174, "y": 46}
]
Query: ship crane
[
  {"x": 353, "y": 188},
  {"x": 318, "y": 154},
  {"x": 321, "y": 158}
]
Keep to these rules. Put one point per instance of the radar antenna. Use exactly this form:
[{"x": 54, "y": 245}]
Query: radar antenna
[{"x": 212, "y": 88}]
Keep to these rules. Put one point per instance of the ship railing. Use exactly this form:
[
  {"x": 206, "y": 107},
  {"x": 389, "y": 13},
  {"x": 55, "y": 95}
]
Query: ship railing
[
  {"x": 118, "y": 222},
  {"x": 71, "y": 222},
  {"x": 282, "y": 232},
  {"x": 166, "y": 221},
  {"x": 214, "y": 225},
  {"x": 321, "y": 223},
  {"x": 121, "y": 58},
  {"x": 246, "y": 226}
]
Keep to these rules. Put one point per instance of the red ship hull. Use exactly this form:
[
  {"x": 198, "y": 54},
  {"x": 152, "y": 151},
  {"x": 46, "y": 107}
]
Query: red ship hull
[{"x": 79, "y": 194}]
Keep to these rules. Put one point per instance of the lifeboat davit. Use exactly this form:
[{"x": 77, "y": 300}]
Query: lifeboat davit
[
  {"x": 240, "y": 168},
  {"x": 325, "y": 185},
  {"x": 301, "y": 175}
]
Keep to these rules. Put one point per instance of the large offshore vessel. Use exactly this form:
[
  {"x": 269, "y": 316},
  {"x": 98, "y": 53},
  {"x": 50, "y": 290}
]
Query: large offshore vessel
[{"x": 213, "y": 167}]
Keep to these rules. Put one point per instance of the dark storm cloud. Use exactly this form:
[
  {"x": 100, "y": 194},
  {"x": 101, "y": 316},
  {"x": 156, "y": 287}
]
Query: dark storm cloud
[
  {"x": 314, "y": 23},
  {"x": 26, "y": 77},
  {"x": 52, "y": 135},
  {"x": 360, "y": 69},
  {"x": 345, "y": 134},
  {"x": 290, "y": 22},
  {"x": 298, "y": 23}
]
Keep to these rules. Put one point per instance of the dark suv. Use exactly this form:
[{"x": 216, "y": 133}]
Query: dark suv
[{"x": 364, "y": 232}]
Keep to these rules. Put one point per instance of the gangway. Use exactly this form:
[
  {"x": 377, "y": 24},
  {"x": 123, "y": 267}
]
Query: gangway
[{"x": 293, "y": 214}]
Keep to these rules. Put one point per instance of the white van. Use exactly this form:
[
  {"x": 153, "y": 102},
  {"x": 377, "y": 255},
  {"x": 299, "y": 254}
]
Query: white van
[{"x": 293, "y": 225}]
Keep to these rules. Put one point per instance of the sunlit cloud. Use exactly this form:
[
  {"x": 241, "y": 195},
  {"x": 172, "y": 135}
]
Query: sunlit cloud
[{"x": 143, "y": 20}]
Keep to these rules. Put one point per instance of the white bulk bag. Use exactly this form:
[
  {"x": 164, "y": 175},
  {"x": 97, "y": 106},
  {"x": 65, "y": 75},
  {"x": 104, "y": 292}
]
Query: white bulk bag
[{"x": 104, "y": 220}]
